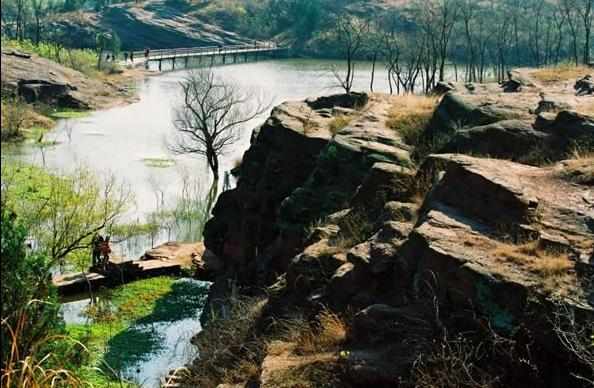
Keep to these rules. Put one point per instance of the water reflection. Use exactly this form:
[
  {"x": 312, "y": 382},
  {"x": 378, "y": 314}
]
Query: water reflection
[{"x": 154, "y": 344}]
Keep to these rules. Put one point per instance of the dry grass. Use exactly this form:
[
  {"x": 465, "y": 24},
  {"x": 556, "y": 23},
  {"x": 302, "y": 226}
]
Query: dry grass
[
  {"x": 338, "y": 123},
  {"x": 315, "y": 374},
  {"x": 229, "y": 348},
  {"x": 35, "y": 369},
  {"x": 355, "y": 228},
  {"x": 326, "y": 334},
  {"x": 544, "y": 263},
  {"x": 563, "y": 72},
  {"x": 452, "y": 364},
  {"x": 579, "y": 169},
  {"x": 237, "y": 162},
  {"x": 410, "y": 115}
]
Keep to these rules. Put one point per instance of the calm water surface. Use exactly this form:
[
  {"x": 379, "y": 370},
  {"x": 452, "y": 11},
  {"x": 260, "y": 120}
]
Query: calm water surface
[
  {"x": 171, "y": 337},
  {"x": 118, "y": 141}
]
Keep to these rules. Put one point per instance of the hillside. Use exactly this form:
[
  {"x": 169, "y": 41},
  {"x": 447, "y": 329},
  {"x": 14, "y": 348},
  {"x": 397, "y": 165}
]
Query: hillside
[
  {"x": 153, "y": 23},
  {"x": 169, "y": 24}
]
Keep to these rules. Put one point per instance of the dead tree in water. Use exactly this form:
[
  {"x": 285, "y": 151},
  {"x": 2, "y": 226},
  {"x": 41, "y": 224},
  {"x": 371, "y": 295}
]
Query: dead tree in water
[{"x": 211, "y": 116}]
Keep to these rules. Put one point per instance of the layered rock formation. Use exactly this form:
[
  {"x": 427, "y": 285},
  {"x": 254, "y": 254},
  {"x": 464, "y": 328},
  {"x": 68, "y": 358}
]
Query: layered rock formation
[{"x": 488, "y": 249}]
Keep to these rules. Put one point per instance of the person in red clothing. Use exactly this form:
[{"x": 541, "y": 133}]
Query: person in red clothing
[{"x": 105, "y": 251}]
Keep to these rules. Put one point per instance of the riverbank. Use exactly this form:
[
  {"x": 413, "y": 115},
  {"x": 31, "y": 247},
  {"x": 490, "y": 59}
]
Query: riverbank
[
  {"x": 135, "y": 333},
  {"x": 37, "y": 91}
]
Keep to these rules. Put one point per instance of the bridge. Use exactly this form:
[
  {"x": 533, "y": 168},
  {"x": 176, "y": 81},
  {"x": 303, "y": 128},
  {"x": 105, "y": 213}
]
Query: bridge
[{"x": 204, "y": 54}]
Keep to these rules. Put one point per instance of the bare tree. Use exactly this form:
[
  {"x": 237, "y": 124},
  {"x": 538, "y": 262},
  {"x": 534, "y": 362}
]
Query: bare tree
[
  {"x": 577, "y": 338},
  {"x": 392, "y": 56},
  {"x": 569, "y": 7},
  {"x": 351, "y": 33},
  {"x": 586, "y": 12},
  {"x": 212, "y": 115},
  {"x": 40, "y": 9},
  {"x": 437, "y": 19}
]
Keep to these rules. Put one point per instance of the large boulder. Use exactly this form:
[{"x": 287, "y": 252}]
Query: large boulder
[
  {"x": 456, "y": 111},
  {"x": 510, "y": 139},
  {"x": 519, "y": 199},
  {"x": 516, "y": 81},
  {"x": 584, "y": 86},
  {"x": 350, "y": 100},
  {"x": 37, "y": 79},
  {"x": 570, "y": 127}
]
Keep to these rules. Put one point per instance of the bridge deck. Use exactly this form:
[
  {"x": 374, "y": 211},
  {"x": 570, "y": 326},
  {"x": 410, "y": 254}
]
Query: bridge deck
[{"x": 140, "y": 57}]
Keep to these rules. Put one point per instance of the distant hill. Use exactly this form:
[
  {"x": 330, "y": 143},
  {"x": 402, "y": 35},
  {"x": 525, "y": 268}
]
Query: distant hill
[{"x": 176, "y": 23}]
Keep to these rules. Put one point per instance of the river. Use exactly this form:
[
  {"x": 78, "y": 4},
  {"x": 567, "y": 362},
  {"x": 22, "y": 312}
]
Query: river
[{"x": 131, "y": 141}]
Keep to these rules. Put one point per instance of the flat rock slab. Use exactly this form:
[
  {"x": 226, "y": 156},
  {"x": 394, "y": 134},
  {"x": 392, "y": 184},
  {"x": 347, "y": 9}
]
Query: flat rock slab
[
  {"x": 183, "y": 253},
  {"x": 77, "y": 282},
  {"x": 166, "y": 259}
]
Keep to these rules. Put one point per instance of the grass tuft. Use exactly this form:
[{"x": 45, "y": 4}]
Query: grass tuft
[
  {"x": 338, "y": 123},
  {"x": 561, "y": 72},
  {"x": 410, "y": 115},
  {"x": 547, "y": 264},
  {"x": 578, "y": 169}
]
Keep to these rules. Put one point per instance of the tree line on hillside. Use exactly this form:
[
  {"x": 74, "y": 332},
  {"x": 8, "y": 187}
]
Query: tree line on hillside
[
  {"x": 477, "y": 38},
  {"x": 414, "y": 41}
]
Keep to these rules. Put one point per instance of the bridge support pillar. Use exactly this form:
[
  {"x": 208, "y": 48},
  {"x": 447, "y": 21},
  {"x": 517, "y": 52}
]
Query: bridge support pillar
[
  {"x": 224, "y": 59},
  {"x": 186, "y": 62},
  {"x": 173, "y": 63},
  {"x": 160, "y": 62},
  {"x": 235, "y": 58},
  {"x": 212, "y": 60}
]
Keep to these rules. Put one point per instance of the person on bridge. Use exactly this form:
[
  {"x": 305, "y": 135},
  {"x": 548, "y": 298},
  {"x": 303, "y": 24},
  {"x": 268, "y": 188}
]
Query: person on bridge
[
  {"x": 96, "y": 249},
  {"x": 105, "y": 251},
  {"x": 125, "y": 57},
  {"x": 146, "y": 53},
  {"x": 131, "y": 57}
]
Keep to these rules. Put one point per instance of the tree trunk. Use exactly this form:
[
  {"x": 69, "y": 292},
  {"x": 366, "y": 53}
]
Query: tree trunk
[{"x": 373, "y": 71}]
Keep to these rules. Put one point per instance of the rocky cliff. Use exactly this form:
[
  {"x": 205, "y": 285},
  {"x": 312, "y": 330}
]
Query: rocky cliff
[
  {"x": 40, "y": 80},
  {"x": 410, "y": 269}
]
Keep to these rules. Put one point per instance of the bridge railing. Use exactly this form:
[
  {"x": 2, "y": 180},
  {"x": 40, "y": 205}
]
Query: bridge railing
[{"x": 214, "y": 50}]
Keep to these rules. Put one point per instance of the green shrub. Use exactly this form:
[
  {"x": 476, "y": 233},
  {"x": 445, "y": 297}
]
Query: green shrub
[{"x": 83, "y": 60}]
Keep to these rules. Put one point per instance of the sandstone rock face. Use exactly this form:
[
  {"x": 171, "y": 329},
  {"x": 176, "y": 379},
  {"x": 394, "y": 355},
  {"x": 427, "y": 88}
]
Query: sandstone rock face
[
  {"x": 454, "y": 111},
  {"x": 466, "y": 125},
  {"x": 293, "y": 159},
  {"x": 458, "y": 244},
  {"x": 37, "y": 79},
  {"x": 460, "y": 231},
  {"x": 511, "y": 139},
  {"x": 282, "y": 155}
]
